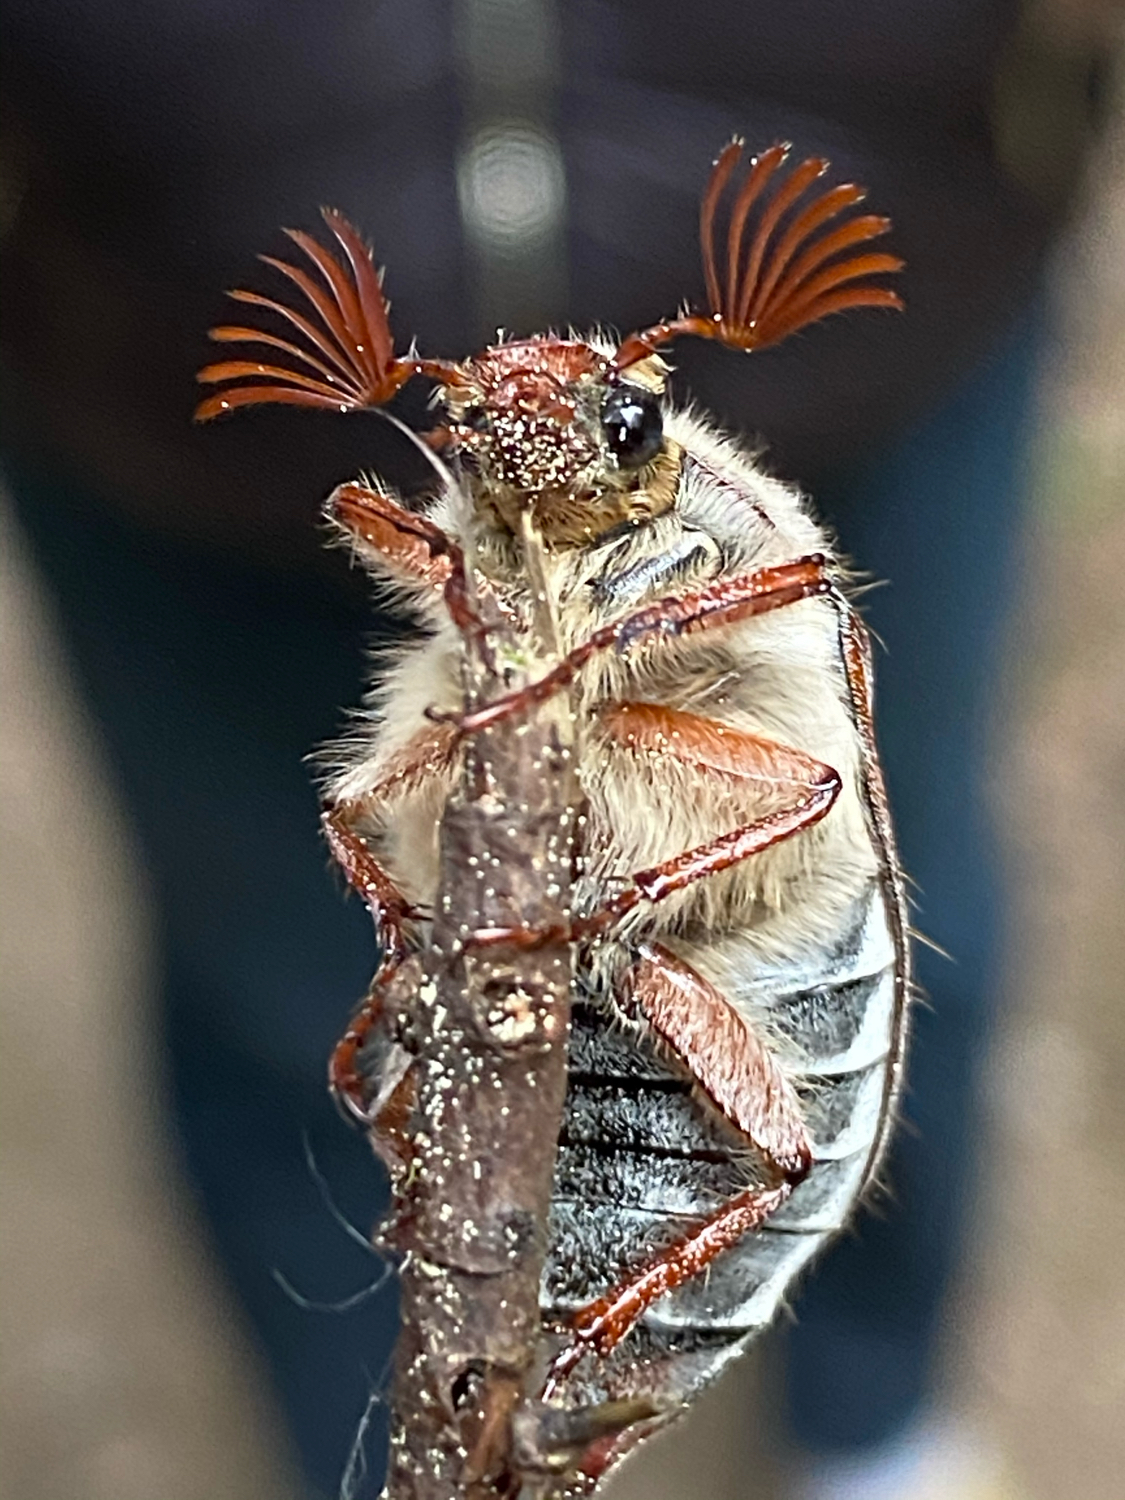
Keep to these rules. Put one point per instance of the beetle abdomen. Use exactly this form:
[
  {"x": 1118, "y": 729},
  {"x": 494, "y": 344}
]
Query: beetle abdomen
[{"x": 644, "y": 1157}]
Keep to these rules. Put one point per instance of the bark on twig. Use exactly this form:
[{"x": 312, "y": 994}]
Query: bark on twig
[{"x": 491, "y": 1040}]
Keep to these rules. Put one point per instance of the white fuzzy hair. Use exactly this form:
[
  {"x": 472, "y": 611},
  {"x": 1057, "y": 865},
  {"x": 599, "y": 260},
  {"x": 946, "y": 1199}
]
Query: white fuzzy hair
[{"x": 779, "y": 675}]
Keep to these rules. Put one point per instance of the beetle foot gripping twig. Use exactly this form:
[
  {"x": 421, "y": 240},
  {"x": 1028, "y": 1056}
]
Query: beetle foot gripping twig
[{"x": 549, "y": 1441}]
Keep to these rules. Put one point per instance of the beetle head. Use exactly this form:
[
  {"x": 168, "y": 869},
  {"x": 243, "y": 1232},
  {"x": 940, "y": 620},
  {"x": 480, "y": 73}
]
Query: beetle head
[
  {"x": 551, "y": 426},
  {"x": 559, "y": 427}
]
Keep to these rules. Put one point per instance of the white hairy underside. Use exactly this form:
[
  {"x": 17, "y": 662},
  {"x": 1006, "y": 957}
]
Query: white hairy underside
[{"x": 779, "y": 675}]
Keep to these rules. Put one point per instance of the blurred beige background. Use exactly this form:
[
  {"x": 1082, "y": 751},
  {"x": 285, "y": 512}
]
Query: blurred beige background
[
  {"x": 126, "y": 1375},
  {"x": 123, "y": 1372}
]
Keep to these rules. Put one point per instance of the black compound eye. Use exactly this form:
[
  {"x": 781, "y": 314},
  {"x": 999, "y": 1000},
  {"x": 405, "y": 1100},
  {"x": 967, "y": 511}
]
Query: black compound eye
[
  {"x": 633, "y": 426},
  {"x": 476, "y": 418}
]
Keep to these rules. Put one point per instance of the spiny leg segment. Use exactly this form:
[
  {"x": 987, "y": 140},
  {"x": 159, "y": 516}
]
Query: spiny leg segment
[
  {"x": 730, "y": 1062},
  {"x": 745, "y": 1082},
  {"x": 410, "y": 544}
]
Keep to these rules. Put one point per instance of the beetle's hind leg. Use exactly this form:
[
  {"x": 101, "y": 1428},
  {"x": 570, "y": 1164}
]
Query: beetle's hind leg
[
  {"x": 737, "y": 1070},
  {"x": 345, "y": 1077},
  {"x": 390, "y": 910},
  {"x": 385, "y": 1108}
]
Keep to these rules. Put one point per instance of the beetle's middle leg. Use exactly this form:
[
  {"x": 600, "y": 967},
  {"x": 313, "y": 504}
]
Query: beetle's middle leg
[
  {"x": 724, "y": 602},
  {"x": 740, "y": 1074},
  {"x": 715, "y": 749}
]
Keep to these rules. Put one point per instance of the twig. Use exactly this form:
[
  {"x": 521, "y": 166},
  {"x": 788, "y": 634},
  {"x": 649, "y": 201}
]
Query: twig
[{"x": 491, "y": 1040}]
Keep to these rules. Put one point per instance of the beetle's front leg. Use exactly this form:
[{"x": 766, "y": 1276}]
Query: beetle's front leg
[
  {"x": 409, "y": 545},
  {"x": 725, "y": 602},
  {"x": 740, "y": 1074}
]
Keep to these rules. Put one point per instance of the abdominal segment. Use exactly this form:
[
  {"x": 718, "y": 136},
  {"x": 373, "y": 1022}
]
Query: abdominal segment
[{"x": 644, "y": 1157}]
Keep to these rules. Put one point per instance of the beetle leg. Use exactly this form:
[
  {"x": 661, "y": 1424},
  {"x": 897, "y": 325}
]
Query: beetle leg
[
  {"x": 428, "y": 754},
  {"x": 855, "y": 647},
  {"x": 717, "y": 749},
  {"x": 345, "y": 1080},
  {"x": 714, "y": 748},
  {"x": 409, "y": 544},
  {"x": 736, "y": 1068},
  {"x": 388, "y": 905},
  {"x": 384, "y": 1115},
  {"x": 723, "y": 602}
]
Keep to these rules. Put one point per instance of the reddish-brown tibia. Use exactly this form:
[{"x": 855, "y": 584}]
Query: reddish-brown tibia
[
  {"x": 717, "y": 748},
  {"x": 382, "y": 1005},
  {"x": 781, "y": 278},
  {"x": 738, "y": 1070},
  {"x": 410, "y": 544},
  {"x": 365, "y": 875},
  {"x": 347, "y": 362},
  {"x": 722, "y": 603},
  {"x": 404, "y": 540}
]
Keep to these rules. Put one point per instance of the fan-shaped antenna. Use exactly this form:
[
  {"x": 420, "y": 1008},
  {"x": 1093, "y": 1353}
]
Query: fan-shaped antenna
[
  {"x": 347, "y": 361},
  {"x": 781, "y": 274}
]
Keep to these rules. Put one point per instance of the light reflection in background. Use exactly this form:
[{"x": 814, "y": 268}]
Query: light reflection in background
[
  {"x": 511, "y": 180},
  {"x": 512, "y": 189}
]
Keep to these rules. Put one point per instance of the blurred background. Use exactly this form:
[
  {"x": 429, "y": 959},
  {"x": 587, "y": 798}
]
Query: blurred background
[{"x": 177, "y": 960}]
